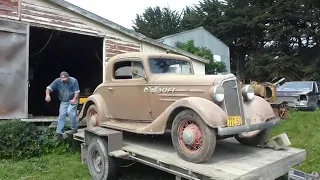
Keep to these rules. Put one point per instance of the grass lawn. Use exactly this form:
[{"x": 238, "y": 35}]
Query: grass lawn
[{"x": 302, "y": 129}]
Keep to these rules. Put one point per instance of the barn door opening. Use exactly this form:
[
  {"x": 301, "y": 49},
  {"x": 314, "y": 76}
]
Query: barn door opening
[{"x": 14, "y": 55}]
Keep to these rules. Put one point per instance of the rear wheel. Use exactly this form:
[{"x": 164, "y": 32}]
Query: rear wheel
[
  {"x": 92, "y": 116},
  {"x": 193, "y": 140},
  {"x": 101, "y": 166}
]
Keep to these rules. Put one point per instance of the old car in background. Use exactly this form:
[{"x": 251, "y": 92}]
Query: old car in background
[
  {"x": 149, "y": 93},
  {"x": 301, "y": 95},
  {"x": 268, "y": 91}
]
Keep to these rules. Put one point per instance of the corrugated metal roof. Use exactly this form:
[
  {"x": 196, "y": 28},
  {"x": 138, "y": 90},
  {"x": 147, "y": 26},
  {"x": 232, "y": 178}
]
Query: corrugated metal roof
[{"x": 124, "y": 30}]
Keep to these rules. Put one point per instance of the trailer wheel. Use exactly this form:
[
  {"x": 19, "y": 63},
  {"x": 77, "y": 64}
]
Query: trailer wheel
[
  {"x": 92, "y": 116},
  {"x": 101, "y": 166},
  {"x": 193, "y": 140},
  {"x": 254, "y": 140}
]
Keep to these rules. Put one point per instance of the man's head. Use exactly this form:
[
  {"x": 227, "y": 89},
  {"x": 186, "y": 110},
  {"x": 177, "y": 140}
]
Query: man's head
[{"x": 64, "y": 77}]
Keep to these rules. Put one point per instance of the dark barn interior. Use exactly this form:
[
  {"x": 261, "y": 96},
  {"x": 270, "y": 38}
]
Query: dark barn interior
[{"x": 52, "y": 51}]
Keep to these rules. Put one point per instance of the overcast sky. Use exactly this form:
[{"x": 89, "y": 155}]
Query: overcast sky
[{"x": 124, "y": 11}]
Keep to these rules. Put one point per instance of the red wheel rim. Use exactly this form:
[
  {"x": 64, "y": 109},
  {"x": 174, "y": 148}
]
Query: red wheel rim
[
  {"x": 189, "y": 136},
  {"x": 93, "y": 118}
]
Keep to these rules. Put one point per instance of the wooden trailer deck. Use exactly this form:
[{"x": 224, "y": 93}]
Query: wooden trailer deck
[{"x": 231, "y": 160}]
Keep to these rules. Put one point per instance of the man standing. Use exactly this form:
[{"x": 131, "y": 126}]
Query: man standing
[{"x": 68, "y": 89}]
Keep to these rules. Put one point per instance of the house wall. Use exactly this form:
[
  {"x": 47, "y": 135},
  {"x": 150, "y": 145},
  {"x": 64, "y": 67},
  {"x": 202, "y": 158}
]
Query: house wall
[
  {"x": 9, "y": 9},
  {"x": 202, "y": 38},
  {"x": 45, "y": 14}
]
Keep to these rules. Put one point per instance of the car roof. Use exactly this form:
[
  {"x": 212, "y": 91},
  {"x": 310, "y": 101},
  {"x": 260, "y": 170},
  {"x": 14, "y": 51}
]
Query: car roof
[{"x": 146, "y": 55}]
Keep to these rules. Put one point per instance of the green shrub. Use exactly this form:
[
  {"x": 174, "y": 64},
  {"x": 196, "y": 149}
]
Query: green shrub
[
  {"x": 49, "y": 143},
  {"x": 20, "y": 140}
]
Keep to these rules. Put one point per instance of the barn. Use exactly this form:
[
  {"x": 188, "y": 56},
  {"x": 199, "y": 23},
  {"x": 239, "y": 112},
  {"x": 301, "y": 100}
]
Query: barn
[
  {"x": 202, "y": 38},
  {"x": 40, "y": 38}
]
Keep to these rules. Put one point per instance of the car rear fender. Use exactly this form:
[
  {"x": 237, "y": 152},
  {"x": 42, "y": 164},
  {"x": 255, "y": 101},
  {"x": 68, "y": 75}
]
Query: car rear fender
[
  {"x": 211, "y": 114},
  {"x": 97, "y": 100}
]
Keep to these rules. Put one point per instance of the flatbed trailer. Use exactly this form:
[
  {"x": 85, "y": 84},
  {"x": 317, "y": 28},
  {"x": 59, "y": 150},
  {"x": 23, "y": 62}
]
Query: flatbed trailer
[{"x": 230, "y": 161}]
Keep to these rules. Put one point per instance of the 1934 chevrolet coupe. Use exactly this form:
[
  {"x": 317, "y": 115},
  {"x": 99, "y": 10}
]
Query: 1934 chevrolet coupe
[{"x": 149, "y": 93}]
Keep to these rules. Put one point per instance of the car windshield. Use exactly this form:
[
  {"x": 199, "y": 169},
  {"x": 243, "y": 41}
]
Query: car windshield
[
  {"x": 296, "y": 86},
  {"x": 163, "y": 65}
]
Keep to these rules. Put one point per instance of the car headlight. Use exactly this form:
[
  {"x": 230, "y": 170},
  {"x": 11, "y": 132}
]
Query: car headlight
[
  {"x": 248, "y": 92},
  {"x": 218, "y": 93}
]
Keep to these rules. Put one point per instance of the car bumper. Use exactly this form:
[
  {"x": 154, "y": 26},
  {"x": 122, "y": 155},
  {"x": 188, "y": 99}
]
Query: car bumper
[{"x": 270, "y": 122}]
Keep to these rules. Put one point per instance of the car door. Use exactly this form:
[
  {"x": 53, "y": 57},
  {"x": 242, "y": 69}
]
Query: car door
[
  {"x": 314, "y": 95},
  {"x": 126, "y": 99}
]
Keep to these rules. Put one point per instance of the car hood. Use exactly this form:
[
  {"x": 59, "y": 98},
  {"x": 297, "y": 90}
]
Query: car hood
[
  {"x": 291, "y": 93},
  {"x": 189, "y": 79}
]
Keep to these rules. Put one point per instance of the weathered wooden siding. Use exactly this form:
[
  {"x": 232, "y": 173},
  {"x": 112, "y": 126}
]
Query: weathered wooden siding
[
  {"x": 117, "y": 45},
  {"x": 42, "y": 13},
  {"x": 9, "y": 9}
]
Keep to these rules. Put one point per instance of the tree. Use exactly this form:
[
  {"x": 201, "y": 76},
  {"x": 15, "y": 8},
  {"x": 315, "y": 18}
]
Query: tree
[
  {"x": 211, "y": 68},
  {"x": 267, "y": 38},
  {"x": 158, "y": 22}
]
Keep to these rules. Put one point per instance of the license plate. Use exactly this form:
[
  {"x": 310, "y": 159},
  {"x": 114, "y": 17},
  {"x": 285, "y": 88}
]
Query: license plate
[
  {"x": 234, "y": 121},
  {"x": 82, "y": 100}
]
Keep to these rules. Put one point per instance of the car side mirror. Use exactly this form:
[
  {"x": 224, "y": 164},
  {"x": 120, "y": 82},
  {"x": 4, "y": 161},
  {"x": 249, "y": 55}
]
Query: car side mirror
[{"x": 135, "y": 72}]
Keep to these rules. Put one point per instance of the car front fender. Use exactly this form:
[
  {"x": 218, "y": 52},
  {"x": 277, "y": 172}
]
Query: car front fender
[
  {"x": 256, "y": 111},
  {"x": 98, "y": 101},
  {"x": 210, "y": 112}
]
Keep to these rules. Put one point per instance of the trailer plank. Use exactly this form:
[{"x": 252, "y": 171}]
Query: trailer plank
[{"x": 231, "y": 160}]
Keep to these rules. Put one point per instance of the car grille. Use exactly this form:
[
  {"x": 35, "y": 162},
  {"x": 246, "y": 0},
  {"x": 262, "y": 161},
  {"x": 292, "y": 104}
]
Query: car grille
[{"x": 233, "y": 104}]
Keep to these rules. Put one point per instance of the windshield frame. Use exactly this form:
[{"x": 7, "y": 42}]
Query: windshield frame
[
  {"x": 296, "y": 85},
  {"x": 182, "y": 61}
]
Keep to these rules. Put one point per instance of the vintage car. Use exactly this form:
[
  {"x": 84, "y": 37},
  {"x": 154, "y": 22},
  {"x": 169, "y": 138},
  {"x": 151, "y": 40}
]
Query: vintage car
[
  {"x": 153, "y": 93},
  {"x": 301, "y": 95}
]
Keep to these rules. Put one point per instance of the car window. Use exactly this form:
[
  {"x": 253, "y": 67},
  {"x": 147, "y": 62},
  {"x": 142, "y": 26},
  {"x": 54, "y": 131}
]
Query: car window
[
  {"x": 175, "y": 66},
  {"x": 296, "y": 86},
  {"x": 123, "y": 69}
]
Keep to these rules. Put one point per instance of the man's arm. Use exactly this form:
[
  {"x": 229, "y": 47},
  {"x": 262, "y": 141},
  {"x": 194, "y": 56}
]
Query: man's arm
[
  {"x": 51, "y": 87},
  {"x": 76, "y": 90}
]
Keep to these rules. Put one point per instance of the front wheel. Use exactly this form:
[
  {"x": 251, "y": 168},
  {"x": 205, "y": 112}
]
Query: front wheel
[
  {"x": 193, "y": 140},
  {"x": 254, "y": 140},
  {"x": 92, "y": 116},
  {"x": 101, "y": 166}
]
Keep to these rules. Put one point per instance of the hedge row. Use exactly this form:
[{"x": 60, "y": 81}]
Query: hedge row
[{"x": 21, "y": 140}]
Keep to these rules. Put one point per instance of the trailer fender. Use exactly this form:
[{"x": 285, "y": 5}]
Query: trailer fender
[
  {"x": 210, "y": 112},
  {"x": 100, "y": 104}
]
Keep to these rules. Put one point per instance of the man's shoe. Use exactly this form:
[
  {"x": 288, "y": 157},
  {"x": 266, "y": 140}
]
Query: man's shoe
[
  {"x": 59, "y": 136},
  {"x": 72, "y": 131}
]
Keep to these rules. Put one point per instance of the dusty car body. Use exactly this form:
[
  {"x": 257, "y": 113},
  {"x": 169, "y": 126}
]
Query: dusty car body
[
  {"x": 149, "y": 93},
  {"x": 268, "y": 91},
  {"x": 301, "y": 95}
]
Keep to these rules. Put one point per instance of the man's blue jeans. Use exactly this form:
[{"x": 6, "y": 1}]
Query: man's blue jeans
[{"x": 67, "y": 109}]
